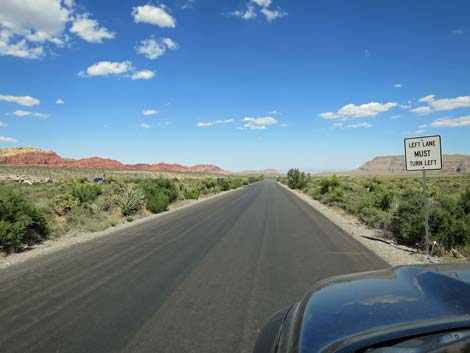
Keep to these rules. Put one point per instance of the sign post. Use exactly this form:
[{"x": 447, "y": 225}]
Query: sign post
[{"x": 424, "y": 153}]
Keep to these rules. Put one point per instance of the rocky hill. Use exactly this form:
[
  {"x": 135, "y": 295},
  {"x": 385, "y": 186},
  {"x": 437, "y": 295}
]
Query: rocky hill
[
  {"x": 34, "y": 157},
  {"x": 395, "y": 165}
]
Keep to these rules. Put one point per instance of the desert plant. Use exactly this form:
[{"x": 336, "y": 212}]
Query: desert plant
[
  {"x": 86, "y": 192},
  {"x": 62, "y": 204},
  {"x": 159, "y": 202},
  {"x": 296, "y": 179},
  {"x": 21, "y": 223},
  {"x": 130, "y": 200}
]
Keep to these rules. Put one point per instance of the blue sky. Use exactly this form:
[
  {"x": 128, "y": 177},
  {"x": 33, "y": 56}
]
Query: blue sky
[{"x": 246, "y": 84}]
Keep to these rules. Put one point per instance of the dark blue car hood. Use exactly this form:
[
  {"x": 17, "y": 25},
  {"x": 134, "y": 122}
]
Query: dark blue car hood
[{"x": 341, "y": 308}]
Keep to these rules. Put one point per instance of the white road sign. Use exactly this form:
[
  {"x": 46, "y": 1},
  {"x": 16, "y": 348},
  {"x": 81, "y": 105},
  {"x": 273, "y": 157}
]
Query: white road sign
[{"x": 423, "y": 153}]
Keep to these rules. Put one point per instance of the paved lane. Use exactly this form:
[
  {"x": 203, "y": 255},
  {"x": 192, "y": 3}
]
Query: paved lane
[{"x": 202, "y": 279}]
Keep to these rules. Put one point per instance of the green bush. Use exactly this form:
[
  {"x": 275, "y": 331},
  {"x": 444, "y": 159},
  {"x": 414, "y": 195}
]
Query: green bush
[
  {"x": 21, "y": 223},
  {"x": 64, "y": 203},
  {"x": 158, "y": 202},
  {"x": 191, "y": 195},
  {"x": 86, "y": 192},
  {"x": 296, "y": 179},
  {"x": 129, "y": 200},
  {"x": 328, "y": 183}
]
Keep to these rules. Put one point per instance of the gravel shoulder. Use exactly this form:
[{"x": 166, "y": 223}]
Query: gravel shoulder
[
  {"x": 373, "y": 239},
  {"x": 52, "y": 245}
]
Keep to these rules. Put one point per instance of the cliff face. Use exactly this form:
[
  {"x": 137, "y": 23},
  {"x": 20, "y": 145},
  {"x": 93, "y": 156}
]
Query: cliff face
[{"x": 28, "y": 156}]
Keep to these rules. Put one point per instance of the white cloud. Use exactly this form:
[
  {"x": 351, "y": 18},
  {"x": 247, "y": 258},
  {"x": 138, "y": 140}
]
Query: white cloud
[
  {"x": 449, "y": 122},
  {"x": 21, "y": 113},
  {"x": 360, "y": 125},
  {"x": 262, "y": 3},
  {"x": 423, "y": 126},
  {"x": 397, "y": 85},
  {"x": 188, "y": 5},
  {"x": 427, "y": 99},
  {"x": 26, "y": 101},
  {"x": 150, "y": 112},
  {"x": 7, "y": 139},
  {"x": 105, "y": 68},
  {"x": 28, "y": 113},
  {"x": 59, "y": 101},
  {"x": 395, "y": 117},
  {"x": 215, "y": 122},
  {"x": 450, "y": 103},
  {"x": 28, "y": 27},
  {"x": 272, "y": 15},
  {"x": 89, "y": 29},
  {"x": 249, "y": 14},
  {"x": 328, "y": 115},
  {"x": 143, "y": 75},
  {"x": 268, "y": 120},
  {"x": 360, "y": 111},
  {"x": 154, "y": 48},
  {"x": 252, "y": 126},
  {"x": 145, "y": 126},
  {"x": 274, "y": 112},
  {"x": 2, "y": 124},
  {"x": 424, "y": 110},
  {"x": 154, "y": 15},
  {"x": 420, "y": 131}
]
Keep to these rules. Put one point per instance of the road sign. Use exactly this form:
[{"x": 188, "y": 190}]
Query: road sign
[{"x": 423, "y": 153}]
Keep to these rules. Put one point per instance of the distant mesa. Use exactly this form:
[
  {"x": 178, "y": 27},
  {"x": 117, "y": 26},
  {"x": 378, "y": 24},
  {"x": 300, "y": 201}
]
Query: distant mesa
[
  {"x": 34, "y": 157},
  {"x": 267, "y": 172},
  {"x": 395, "y": 165}
]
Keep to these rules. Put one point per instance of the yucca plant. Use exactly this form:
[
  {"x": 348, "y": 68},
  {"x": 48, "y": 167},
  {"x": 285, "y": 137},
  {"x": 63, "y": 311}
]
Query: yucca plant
[{"x": 130, "y": 200}]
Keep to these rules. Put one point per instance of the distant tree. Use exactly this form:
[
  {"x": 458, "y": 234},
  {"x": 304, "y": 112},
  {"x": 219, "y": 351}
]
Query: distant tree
[{"x": 296, "y": 179}]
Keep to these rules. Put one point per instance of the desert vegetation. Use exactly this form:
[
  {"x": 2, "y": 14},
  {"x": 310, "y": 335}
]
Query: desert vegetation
[
  {"x": 395, "y": 205},
  {"x": 32, "y": 213}
]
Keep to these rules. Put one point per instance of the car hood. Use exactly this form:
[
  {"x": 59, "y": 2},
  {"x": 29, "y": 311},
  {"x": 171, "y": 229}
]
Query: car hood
[{"x": 340, "y": 308}]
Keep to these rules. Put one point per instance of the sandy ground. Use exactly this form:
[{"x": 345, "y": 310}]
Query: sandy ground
[{"x": 394, "y": 254}]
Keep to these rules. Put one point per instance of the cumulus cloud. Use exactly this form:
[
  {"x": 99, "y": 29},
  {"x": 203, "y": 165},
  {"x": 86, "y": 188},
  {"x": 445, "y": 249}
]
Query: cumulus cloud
[
  {"x": 28, "y": 113},
  {"x": 215, "y": 122},
  {"x": 450, "y": 103},
  {"x": 258, "y": 123},
  {"x": 452, "y": 122},
  {"x": 397, "y": 85},
  {"x": 360, "y": 125},
  {"x": 154, "y": 48},
  {"x": 89, "y": 29},
  {"x": 28, "y": 28},
  {"x": 106, "y": 68},
  {"x": 427, "y": 99},
  {"x": 145, "y": 126},
  {"x": 424, "y": 110},
  {"x": 352, "y": 111},
  {"x": 59, "y": 101},
  {"x": 272, "y": 15},
  {"x": 155, "y": 15},
  {"x": 143, "y": 75},
  {"x": 26, "y": 101},
  {"x": 150, "y": 112},
  {"x": 252, "y": 8},
  {"x": 7, "y": 139}
]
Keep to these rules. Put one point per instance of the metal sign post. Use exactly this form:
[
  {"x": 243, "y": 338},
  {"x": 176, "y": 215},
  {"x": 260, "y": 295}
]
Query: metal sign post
[{"x": 424, "y": 153}]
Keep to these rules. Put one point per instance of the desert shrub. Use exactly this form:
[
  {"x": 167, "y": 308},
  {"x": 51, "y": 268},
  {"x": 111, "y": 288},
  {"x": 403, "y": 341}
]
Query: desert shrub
[
  {"x": 296, "y": 179},
  {"x": 64, "y": 203},
  {"x": 158, "y": 202},
  {"x": 223, "y": 184},
  {"x": 129, "y": 200},
  {"x": 86, "y": 192},
  {"x": 407, "y": 221},
  {"x": 328, "y": 183},
  {"x": 21, "y": 223},
  {"x": 152, "y": 187},
  {"x": 464, "y": 201},
  {"x": 191, "y": 194}
]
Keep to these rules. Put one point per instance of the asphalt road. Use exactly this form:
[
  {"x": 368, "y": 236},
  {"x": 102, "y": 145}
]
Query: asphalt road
[{"x": 202, "y": 279}]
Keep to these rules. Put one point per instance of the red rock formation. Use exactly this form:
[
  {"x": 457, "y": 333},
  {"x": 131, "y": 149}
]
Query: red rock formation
[{"x": 26, "y": 156}]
